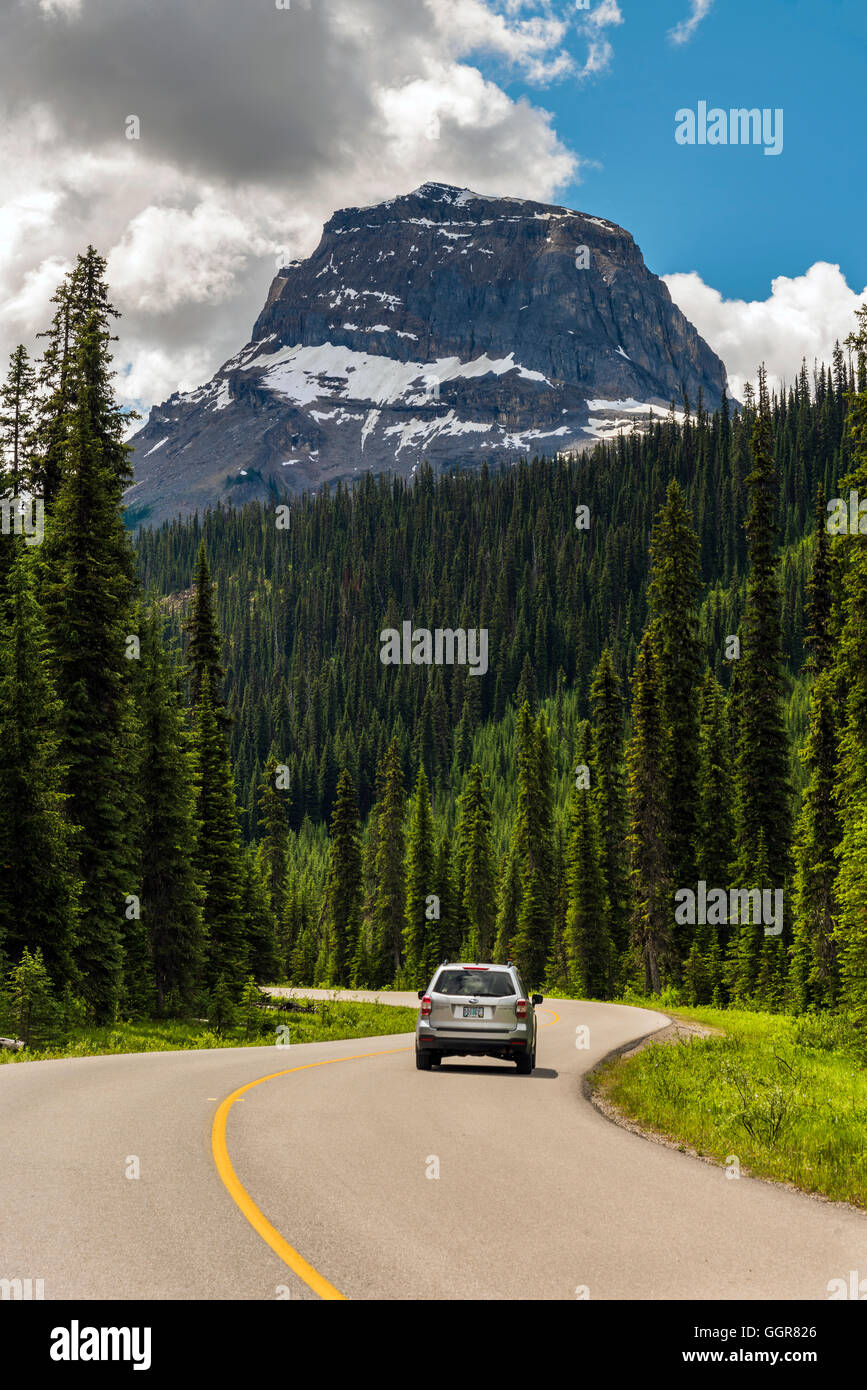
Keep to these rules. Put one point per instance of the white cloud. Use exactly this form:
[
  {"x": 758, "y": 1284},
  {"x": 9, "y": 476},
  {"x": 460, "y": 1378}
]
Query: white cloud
[
  {"x": 255, "y": 125},
  {"x": 802, "y": 318},
  {"x": 684, "y": 30},
  {"x": 68, "y": 8},
  {"x": 600, "y": 50},
  {"x": 533, "y": 46}
]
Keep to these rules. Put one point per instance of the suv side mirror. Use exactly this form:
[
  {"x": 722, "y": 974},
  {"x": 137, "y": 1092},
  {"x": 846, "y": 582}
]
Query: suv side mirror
[
  {"x": 537, "y": 998},
  {"x": 421, "y": 994}
]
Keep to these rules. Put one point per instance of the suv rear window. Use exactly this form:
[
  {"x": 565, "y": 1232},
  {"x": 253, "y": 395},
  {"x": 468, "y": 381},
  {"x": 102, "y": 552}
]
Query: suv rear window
[{"x": 493, "y": 984}]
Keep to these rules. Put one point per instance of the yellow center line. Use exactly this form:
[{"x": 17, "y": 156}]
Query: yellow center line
[{"x": 241, "y": 1197}]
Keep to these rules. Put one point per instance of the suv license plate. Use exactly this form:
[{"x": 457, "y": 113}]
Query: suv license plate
[{"x": 470, "y": 1012}]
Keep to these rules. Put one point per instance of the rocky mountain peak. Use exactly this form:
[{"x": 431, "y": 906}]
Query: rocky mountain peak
[{"x": 444, "y": 325}]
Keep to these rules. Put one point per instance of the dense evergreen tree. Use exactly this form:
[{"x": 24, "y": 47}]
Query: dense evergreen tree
[
  {"x": 815, "y": 981},
  {"x": 170, "y": 897},
  {"x": 649, "y": 821},
  {"x": 38, "y": 886},
  {"x": 204, "y": 644},
  {"x": 420, "y": 875},
  {"x": 763, "y": 790},
  {"x": 274, "y": 799},
  {"x": 17, "y": 423},
  {"x": 609, "y": 792},
  {"x": 389, "y": 894},
  {"x": 675, "y": 588},
  {"x": 534, "y": 837},
  {"x": 588, "y": 939},
  {"x": 345, "y": 883},
  {"x": 88, "y": 588},
  {"x": 476, "y": 873},
  {"x": 218, "y": 859},
  {"x": 850, "y": 935}
]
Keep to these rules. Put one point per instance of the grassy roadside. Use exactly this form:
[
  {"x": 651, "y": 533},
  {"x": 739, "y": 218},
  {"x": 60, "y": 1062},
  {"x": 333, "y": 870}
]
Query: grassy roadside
[
  {"x": 784, "y": 1096},
  {"x": 332, "y": 1020}
]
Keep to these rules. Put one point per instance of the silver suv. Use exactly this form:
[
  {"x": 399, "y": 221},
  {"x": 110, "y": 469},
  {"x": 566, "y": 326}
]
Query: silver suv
[{"x": 478, "y": 1011}]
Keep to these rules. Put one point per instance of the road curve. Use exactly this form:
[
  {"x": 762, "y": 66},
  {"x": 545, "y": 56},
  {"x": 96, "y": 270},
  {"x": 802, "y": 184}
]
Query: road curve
[{"x": 537, "y": 1195}]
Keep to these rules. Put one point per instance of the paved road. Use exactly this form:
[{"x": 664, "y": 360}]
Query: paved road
[{"x": 537, "y": 1193}]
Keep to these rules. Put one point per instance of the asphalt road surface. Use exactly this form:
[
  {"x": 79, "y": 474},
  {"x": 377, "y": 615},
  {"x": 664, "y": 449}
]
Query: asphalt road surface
[{"x": 347, "y": 1173}]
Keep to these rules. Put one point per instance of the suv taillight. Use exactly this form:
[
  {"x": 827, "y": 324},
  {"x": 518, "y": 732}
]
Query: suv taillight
[
  {"x": 521, "y": 1008},
  {"x": 425, "y": 1006}
]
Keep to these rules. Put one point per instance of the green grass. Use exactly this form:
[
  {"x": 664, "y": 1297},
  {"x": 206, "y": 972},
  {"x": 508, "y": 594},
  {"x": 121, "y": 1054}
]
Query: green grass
[
  {"x": 786, "y": 1096},
  {"x": 333, "y": 1020}
]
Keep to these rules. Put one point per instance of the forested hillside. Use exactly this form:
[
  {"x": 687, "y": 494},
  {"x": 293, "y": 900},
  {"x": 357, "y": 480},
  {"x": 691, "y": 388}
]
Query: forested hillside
[{"x": 209, "y": 772}]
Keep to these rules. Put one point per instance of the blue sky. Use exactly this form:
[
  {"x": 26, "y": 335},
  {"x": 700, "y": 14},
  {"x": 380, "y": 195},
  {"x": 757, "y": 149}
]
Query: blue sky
[{"x": 733, "y": 214}]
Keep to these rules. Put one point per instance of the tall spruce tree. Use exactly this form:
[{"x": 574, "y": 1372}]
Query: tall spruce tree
[
  {"x": 648, "y": 839},
  {"x": 38, "y": 886},
  {"x": 588, "y": 939},
  {"x": 204, "y": 643},
  {"x": 609, "y": 792},
  {"x": 850, "y": 935},
  {"x": 420, "y": 872},
  {"x": 273, "y": 853},
  {"x": 814, "y": 974},
  {"x": 389, "y": 894},
  {"x": 345, "y": 883},
  {"x": 675, "y": 586},
  {"x": 218, "y": 862},
  {"x": 17, "y": 423},
  {"x": 477, "y": 875},
  {"x": 763, "y": 795},
  {"x": 88, "y": 587},
  {"x": 534, "y": 830},
  {"x": 170, "y": 896}
]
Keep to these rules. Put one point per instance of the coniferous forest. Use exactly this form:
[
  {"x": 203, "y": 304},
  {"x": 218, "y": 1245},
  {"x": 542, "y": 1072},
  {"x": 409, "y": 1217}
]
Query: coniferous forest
[{"x": 208, "y": 774}]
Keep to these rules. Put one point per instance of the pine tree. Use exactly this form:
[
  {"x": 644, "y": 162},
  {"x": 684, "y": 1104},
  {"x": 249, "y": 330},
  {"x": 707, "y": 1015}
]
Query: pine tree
[
  {"x": 609, "y": 778},
  {"x": 675, "y": 586},
  {"x": 509, "y": 901},
  {"x": 588, "y": 940},
  {"x": 763, "y": 790},
  {"x": 38, "y": 886},
  {"x": 648, "y": 838},
  {"x": 345, "y": 883},
  {"x": 259, "y": 926},
  {"x": 702, "y": 973},
  {"x": 204, "y": 644},
  {"x": 88, "y": 588},
  {"x": 218, "y": 862},
  {"x": 16, "y": 423},
  {"x": 442, "y": 939},
  {"x": 715, "y": 789},
  {"x": 477, "y": 875},
  {"x": 534, "y": 831},
  {"x": 170, "y": 897},
  {"x": 420, "y": 873},
  {"x": 274, "y": 801},
  {"x": 850, "y": 935},
  {"x": 815, "y": 975},
  {"x": 29, "y": 1007},
  {"x": 389, "y": 900}
]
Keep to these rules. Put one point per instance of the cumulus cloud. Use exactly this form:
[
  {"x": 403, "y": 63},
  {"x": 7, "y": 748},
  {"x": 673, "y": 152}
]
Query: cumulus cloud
[
  {"x": 683, "y": 32},
  {"x": 255, "y": 124},
  {"x": 600, "y": 50},
  {"x": 803, "y": 317}
]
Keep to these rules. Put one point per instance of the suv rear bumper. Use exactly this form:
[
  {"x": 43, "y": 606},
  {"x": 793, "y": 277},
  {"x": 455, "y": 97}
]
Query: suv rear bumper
[{"x": 473, "y": 1047}]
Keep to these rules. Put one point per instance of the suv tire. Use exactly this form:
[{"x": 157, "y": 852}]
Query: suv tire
[
  {"x": 526, "y": 1063},
  {"x": 423, "y": 1060}
]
